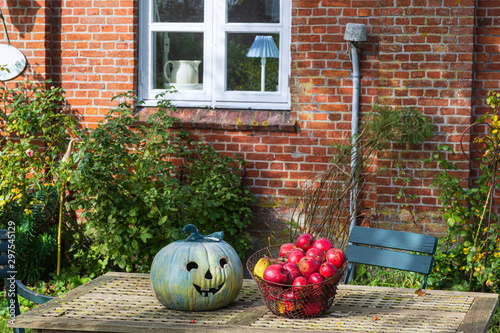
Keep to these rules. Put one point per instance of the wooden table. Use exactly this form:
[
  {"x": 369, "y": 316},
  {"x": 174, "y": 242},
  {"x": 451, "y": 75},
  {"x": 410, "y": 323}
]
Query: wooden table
[{"x": 121, "y": 302}]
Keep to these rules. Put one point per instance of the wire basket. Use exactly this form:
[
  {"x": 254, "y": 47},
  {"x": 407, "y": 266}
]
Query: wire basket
[{"x": 301, "y": 302}]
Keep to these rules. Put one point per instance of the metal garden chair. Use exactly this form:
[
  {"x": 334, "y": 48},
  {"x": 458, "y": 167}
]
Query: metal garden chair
[
  {"x": 391, "y": 249},
  {"x": 12, "y": 286}
]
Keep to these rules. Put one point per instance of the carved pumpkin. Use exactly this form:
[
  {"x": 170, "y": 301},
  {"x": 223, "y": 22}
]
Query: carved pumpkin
[{"x": 198, "y": 273}]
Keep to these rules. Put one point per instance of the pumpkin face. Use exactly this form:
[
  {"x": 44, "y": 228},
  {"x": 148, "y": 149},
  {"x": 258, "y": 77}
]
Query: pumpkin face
[{"x": 196, "y": 275}]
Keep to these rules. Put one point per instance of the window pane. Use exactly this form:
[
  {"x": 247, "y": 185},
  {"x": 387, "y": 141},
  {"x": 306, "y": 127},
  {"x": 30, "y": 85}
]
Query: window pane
[
  {"x": 178, "y": 11},
  {"x": 244, "y": 69},
  {"x": 178, "y": 59},
  {"x": 253, "y": 11}
]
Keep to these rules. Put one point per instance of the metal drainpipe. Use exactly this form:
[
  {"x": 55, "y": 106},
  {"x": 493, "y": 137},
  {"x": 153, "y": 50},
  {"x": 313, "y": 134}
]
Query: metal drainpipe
[
  {"x": 354, "y": 34},
  {"x": 356, "y": 78}
]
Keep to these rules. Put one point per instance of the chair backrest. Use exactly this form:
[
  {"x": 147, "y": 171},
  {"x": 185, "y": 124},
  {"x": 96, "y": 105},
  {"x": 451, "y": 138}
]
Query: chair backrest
[
  {"x": 391, "y": 249},
  {"x": 4, "y": 254},
  {"x": 7, "y": 272}
]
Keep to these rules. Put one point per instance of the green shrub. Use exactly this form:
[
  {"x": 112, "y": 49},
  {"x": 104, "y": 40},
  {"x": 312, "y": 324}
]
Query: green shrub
[
  {"x": 36, "y": 234},
  {"x": 468, "y": 258},
  {"x": 386, "y": 277},
  {"x": 35, "y": 132},
  {"x": 138, "y": 184}
]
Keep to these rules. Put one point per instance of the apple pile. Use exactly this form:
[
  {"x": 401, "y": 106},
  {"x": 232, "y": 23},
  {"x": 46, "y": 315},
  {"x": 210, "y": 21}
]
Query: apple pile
[{"x": 299, "y": 271}]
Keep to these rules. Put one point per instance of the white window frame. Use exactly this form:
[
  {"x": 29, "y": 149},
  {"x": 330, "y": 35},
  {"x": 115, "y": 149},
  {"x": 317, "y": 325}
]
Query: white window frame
[{"x": 214, "y": 29}]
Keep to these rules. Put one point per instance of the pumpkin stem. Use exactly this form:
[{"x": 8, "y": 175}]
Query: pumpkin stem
[{"x": 195, "y": 235}]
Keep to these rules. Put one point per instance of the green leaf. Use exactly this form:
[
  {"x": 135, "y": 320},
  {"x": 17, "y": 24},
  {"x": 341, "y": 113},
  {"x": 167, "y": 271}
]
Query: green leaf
[
  {"x": 162, "y": 220},
  {"x": 145, "y": 237}
]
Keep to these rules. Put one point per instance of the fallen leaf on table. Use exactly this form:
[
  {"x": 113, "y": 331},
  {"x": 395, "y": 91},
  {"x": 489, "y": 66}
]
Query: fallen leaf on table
[{"x": 420, "y": 292}]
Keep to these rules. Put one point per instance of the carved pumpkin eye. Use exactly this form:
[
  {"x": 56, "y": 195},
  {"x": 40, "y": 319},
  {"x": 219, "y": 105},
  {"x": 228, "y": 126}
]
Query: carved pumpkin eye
[
  {"x": 223, "y": 262},
  {"x": 191, "y": 265}
]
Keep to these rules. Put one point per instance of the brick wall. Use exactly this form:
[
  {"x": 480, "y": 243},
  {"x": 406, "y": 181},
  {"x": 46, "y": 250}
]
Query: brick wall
[
  {"x": 29, "y": 30},
  {"x": 419, "y": 53},
  {"x": 426, "y": 61},
  {"x": 486, "y": 57},
  {"x": 486, "y": 53}
]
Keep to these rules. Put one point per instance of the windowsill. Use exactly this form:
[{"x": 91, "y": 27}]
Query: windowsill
[{"x": 222, "y": 119}]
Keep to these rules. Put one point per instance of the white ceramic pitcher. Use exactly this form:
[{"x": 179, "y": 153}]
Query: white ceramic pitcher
[{"x": 183, "y": 71}]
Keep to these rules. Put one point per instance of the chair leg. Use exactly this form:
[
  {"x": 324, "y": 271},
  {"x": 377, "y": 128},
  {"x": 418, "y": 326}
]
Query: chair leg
[
  {"x": 349, "y": 273},
  {"x": 425, "y": 282}
]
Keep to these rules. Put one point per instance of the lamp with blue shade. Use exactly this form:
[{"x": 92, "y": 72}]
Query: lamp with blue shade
[{"x": 263, "y": 47}]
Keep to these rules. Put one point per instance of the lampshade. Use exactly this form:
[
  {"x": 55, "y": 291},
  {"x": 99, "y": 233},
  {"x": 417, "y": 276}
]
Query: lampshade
[{"x": 263, "y": 47}]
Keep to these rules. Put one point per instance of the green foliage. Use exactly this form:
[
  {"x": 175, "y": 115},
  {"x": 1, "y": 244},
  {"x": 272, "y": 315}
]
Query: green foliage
[
  {"x": 138, "y": 184},
  {"x": 382, "y": 126},
  {"x": 36, "y": 234},
  {"x": 32, "y": 111},
  {"x": 469, "y": 258},
  {"x": 402, "y": 126},
  {"x": 215, "y": 197},
  {"x": 57, "y": 285},
  {"x": 35, "y": 132},
  {"x": 386, "y": 277}
]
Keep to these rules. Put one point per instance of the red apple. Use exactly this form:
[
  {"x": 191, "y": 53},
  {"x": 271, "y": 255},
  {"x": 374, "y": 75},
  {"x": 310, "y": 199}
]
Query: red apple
[
  {"x": 312, "y": 308},
  {"x": 336, "y": 257},
  {"x": 316, "y": 278},
  {"x": 276, "y": 273},
  {"x": 327, "y": 270},
  {"x": 295, "y": 255},
  {"x": 308, "y": 265},
  {"x": 285, "y": 248},
  {"x": 300, "y": 283},
  {"x": 290, "y": 301},
  {"x": 323, "y": 244},
  {"x": 293, "y": 272},
  {"x": 305, "y": 241},
  {"x": 274, "y": 292},
  {"x": 316, "y": 254}
]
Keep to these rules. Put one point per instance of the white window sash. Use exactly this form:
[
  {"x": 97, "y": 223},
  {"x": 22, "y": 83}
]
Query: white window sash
[{"x": 214, "y": 29}]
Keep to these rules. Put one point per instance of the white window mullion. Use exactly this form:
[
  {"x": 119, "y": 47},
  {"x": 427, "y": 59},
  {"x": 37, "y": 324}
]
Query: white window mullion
[
  {"x": 219, "y": 50},
  {"x": 178, "y": 27},
  {"x": 207, "y": 52},
  {"x": 145, "y": 51}
]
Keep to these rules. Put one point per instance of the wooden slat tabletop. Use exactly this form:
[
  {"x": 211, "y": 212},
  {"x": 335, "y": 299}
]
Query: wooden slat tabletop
[{"x": 123, "y": 302}]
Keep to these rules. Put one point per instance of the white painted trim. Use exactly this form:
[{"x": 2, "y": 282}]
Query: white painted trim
[{"x": 215, "y": 28}]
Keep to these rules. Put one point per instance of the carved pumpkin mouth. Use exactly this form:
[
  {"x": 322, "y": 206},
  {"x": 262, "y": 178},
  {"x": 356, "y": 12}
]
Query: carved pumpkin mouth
[{"x": 209, "y": 292}]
